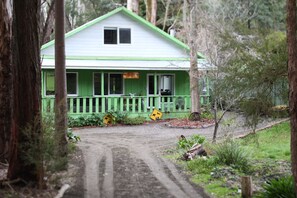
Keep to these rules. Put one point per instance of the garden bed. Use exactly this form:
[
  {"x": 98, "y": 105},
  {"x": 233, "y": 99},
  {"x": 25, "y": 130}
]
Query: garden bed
[{"x": 188, "y": 124}]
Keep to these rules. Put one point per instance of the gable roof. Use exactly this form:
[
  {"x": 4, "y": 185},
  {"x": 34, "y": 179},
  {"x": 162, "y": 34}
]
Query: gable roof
[{"x": 131, "y": 15}]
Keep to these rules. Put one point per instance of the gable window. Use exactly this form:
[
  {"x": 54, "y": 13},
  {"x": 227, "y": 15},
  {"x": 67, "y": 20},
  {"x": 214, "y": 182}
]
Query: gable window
[
  {"x": 113, "y": 35},
  {"x": 110, "y": 35},
  {"x": 71, "y": 81},
  {"x": 125, "y": 35}
]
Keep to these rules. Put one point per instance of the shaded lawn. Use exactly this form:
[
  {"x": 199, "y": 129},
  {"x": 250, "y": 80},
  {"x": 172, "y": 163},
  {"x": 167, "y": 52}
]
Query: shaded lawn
[
  {"x": 272, "y": 143},
  {"x": 268, "y": 148}
]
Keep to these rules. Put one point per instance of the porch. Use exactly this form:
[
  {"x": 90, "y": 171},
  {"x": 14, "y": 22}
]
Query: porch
[{"x": 171, "y": 106}]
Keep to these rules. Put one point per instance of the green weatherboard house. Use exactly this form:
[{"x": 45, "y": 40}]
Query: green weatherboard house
[{"x": 121, "y": 62}]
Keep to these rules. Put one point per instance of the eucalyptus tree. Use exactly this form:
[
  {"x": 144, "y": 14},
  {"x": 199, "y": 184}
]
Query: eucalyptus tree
[
  {"x": 292, "y": 75},
  {"x": 5, "y": 77},
  {"x": 60, "y": 84},
  {"x": 25, "y": 159},
  {"x": 190, "y": 20}
]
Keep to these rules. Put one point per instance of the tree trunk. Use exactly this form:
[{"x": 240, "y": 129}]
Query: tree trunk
[
  {"x": 246, "y": 187},
  {"x": 194, "y": 74},
  {"x": 166, "y": 14},
  {"x": 133, "y": 5},
  {"x": 60, "y": 82},
  {"x": 217, "y": 121},
  {"x": 151, "y": 11},
  {"x": 292, "y": 75},
  {"x": 49, "y": 24},
  {"x": 26, "y": 144},
  {"x": 5, "y": 78},
  {"x": 148, "y": 10},
  {"x": 153, "y": 19}
]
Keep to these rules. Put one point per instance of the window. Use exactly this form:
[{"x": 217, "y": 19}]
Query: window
[
  {"x": 166, "y": 85},
  {"x": 71, "y": 80},
  {"x": 113, "y": 84},
  {"x": 71, "y": 83},
  {"x": 97, "y": 84},
  {"x": 116, "y": 84},
  {"x": 125, "y": 35},
  {"x": 110, "y": 36},
  {"x": 113, "y": 35},
  {"x": 50, "y": 83}
]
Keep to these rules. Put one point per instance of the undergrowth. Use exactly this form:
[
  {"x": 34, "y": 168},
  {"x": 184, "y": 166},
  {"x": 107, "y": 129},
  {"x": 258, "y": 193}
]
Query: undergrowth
[{"x": 264, "y": 156}]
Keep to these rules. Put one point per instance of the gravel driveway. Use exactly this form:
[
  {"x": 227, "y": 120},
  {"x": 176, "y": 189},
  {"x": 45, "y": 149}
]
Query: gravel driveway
[{"x": 126, "y": 161}]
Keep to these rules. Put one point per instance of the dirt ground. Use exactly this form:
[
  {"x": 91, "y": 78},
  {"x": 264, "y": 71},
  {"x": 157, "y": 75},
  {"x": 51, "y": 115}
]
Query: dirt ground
[{"x": 126, "y": 161}]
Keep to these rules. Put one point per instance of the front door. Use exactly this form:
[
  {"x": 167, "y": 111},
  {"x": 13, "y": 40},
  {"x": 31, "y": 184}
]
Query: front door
[{"x": 159, "y": 85}]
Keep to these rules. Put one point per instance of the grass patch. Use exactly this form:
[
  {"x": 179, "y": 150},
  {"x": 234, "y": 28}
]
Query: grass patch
[
  {"x": 269, "y": 157},
  {"x": 272, "y": 143}
]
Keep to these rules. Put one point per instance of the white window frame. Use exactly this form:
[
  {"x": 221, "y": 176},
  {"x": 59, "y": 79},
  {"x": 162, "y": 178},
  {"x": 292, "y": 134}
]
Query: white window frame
[
  {"x": 108, "y": 83},
  {"x": 160, "y": 74},
  {"x": 159, "y": 82},
  {"x": 44, "y": 89},
  {"x": 117, "y": 28},
  {"x": 119, "y": 36},
  {"x": 123, "y": 84},
  {"x": 94, "y": 83},
  {"x": 110, "y": 28},
  {"x": 76, "y": 83},
  {"x": 45, "y": 83}
]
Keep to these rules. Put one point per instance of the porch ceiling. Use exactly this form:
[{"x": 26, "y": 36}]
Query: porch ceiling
[{"x": 174, "y": 65}]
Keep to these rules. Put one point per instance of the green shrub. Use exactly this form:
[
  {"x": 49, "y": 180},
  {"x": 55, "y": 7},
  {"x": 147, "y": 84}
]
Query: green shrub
[
  {"x": 279, "y": 188},
  {"x": 134, "y": 121},
  {"x": 201, "y": 166},
  {"x": 206, "y": 115},
  {"x": 184, "y": 143},
  {"x": 92, "y": 120},
  {"x": 230, "y": 153},
  {"x": 72, "y": 137},
  {"x": 117, "y": 117}
]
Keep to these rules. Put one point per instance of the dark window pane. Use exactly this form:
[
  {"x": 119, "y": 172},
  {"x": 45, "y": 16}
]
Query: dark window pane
[
  {"x": 110, "y": 36},
  {"x": 50, "y": 83},
  {"x": 125, "y": 35},
  {"x": 71, "y": 83},
  {"x": 152, "y": 85},
  {"x": 97, "y": 83},
  {"x": 105, "y": 84},
  {"x": 116, "y": 84}
]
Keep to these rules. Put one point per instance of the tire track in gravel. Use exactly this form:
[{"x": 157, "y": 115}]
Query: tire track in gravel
[
  {"x": 139, "y": 180},
  {"x": 124, "y": 161},
  {"x": 126, "y": 165}
]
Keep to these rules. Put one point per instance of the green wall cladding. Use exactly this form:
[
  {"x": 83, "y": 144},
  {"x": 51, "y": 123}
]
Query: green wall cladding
[{"x": 135, "y": 86}]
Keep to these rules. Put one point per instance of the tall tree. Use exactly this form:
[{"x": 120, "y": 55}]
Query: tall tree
[
  {"x": 133, "y": 5},
  {"x": 60, "y": 82},
  {"x": 151, "y": 11},
  {"x": 190, "y": 25},
  {"x": 292, "y": 74},
  {"x": 26, "y": 94},
  {"x": 5, "y": 77},
  {"x": 154, "y": 12},
  {"x": 48, "y": 26}
]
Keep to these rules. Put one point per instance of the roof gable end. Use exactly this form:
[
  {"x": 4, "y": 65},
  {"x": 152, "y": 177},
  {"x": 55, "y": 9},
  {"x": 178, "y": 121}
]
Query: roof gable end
[{"x": 132, "y": 16}]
